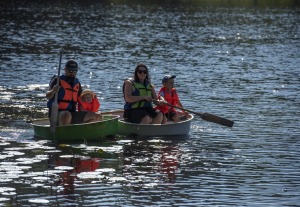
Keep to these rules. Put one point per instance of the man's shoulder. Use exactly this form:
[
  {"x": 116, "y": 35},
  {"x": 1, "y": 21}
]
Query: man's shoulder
[{"x": 77, "y": 80}]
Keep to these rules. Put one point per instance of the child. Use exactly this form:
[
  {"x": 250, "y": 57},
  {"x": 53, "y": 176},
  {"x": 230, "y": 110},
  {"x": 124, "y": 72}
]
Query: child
[
  {"x": 169, "y": 94},
  {"x": 88, "y": 101}
]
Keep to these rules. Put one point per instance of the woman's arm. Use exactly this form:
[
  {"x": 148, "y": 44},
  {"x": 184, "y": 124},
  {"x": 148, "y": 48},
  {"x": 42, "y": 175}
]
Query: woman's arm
[
  {"x": 153, "y": 93},
  {"x": 160, "y": 101}
]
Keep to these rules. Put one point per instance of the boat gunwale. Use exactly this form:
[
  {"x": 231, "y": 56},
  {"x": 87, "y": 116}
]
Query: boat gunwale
[
  {"x": 35, "y": 122},
  {"x": 166, "y": 124}
]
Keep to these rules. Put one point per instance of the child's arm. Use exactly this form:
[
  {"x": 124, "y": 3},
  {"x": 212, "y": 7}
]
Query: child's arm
[
  {"x": 180, "y": 105},
  {"x": 80, "y": 107},
  {"x": 96, "y": 104}
]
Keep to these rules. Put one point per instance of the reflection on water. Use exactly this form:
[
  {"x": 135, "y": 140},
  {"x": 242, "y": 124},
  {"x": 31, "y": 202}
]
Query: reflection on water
[
  {"x": 54, "y": 170},
  {"x": 235, "y": 59},
  {"x": 156, "y": 157},
  {"x": 72, "y": 166}
]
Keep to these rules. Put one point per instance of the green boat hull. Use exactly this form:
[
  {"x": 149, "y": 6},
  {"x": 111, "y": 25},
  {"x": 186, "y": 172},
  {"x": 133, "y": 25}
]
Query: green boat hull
[{"x": 93, "y": 131}]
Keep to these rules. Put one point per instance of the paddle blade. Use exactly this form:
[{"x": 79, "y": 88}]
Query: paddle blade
[
  {"x": 53, "y": 117},
  {"x": 217, "y": 119}
]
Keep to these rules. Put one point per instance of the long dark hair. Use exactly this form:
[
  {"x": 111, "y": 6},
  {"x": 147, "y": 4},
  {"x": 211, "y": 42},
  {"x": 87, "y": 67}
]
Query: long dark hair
[{"x": 136, "y": 78}]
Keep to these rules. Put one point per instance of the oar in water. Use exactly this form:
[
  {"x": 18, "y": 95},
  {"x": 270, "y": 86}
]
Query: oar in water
[
  {"x": 208, "y": 117},
  {"x": 54, "y": 108}
]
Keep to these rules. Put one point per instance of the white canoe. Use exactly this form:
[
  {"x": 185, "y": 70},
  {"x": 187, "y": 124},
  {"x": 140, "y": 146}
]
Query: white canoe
[{"x": 168, "y": 129}]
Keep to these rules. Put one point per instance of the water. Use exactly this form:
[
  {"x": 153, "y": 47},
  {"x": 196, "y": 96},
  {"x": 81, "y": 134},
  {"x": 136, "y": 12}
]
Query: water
[{"x": 238, "y": 60}]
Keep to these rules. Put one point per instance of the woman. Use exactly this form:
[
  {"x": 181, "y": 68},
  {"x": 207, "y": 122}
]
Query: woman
[{"x": 139, "y": 94}]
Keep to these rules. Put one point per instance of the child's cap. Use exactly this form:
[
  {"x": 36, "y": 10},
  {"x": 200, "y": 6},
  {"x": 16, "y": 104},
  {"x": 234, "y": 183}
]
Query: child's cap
[
  {"x": 86, "y": 91},
  {"x": 167, "y": 77}
]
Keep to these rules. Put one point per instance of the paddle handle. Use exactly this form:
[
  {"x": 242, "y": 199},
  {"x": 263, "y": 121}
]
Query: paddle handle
[
  {"x": 54, "y": 108},
  {"x": 208, "y": 117},
  {"x": 177, "y": 107},
  {"x": 58, "y": 76}
]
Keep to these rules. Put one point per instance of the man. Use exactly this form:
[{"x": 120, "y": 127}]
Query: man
[{"x": 69, "y": 89}]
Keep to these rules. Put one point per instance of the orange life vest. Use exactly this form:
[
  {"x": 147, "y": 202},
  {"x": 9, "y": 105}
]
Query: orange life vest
[
  {"x": 171, "y": 97},
  {"x": 86, "y": 106},
  {"x": 67, "y": 94},
  {"x": 70, "y": 94}
]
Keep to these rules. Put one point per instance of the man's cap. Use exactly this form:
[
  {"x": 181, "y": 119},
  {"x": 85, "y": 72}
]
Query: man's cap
[
  {"x": 87, "y": 91},
  {"x": 71, "y": 65},
  {"x": 167, "y": 77}
]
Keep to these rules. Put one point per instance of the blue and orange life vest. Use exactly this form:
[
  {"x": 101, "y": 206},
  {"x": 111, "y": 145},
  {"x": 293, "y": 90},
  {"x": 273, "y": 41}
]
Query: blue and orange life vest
[
  {"x": 140, "y": 90},
  {"x": 171, "y": 97},
  {"x": 67, "y": 95}
]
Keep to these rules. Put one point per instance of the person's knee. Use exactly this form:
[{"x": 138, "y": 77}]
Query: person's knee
[
  {"x": 165, "y": 120},
  {"x": 149, "y": 119},
  {"x": 98, "y": 117},
  {"x": 160, "y": 116},
  {"x": 176, "y": 118},
  {"x": 91, "y": 117},
  {"x": 65, "y": 118},
  {"x": 146, "y": 120}
]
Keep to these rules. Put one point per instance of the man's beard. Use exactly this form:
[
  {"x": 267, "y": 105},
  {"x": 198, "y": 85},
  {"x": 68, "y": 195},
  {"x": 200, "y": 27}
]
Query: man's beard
[{"x": 70, "y": 79}]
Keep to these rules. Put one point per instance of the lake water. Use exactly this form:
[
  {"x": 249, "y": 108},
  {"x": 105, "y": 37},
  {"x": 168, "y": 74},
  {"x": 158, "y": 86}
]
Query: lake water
[{"x": 236, "y": 59}]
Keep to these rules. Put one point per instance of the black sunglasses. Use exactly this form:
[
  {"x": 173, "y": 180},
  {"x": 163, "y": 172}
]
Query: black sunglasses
[
  {"x": 72, "y": 71},
  {"x": 142, "y": 71}
]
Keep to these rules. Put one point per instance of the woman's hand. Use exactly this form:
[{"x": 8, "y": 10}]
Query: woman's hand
[
  {"x": 162, "y": 101},
  {"x": 159, "y": 102},
  {"x": 147, "y": 98}
]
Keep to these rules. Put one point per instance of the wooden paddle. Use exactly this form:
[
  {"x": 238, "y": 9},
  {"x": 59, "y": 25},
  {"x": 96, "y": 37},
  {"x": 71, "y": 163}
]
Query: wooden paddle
[
  {"x": 208, "y": 117},
  {"x": 54, "y": 108}
]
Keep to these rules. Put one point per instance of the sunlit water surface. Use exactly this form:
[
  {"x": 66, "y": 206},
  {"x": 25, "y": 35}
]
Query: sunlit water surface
[{"x": 238, "y": 62}]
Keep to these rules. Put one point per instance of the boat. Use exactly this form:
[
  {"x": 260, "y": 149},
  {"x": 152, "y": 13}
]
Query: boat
[
  {"x": 147, "y": 130},
  {"x": 92, "y": 131}
]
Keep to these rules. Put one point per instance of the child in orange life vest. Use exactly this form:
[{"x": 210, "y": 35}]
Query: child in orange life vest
[
  {"x": 169, "y": 94},
  {"x": 88, "y": 101}
]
